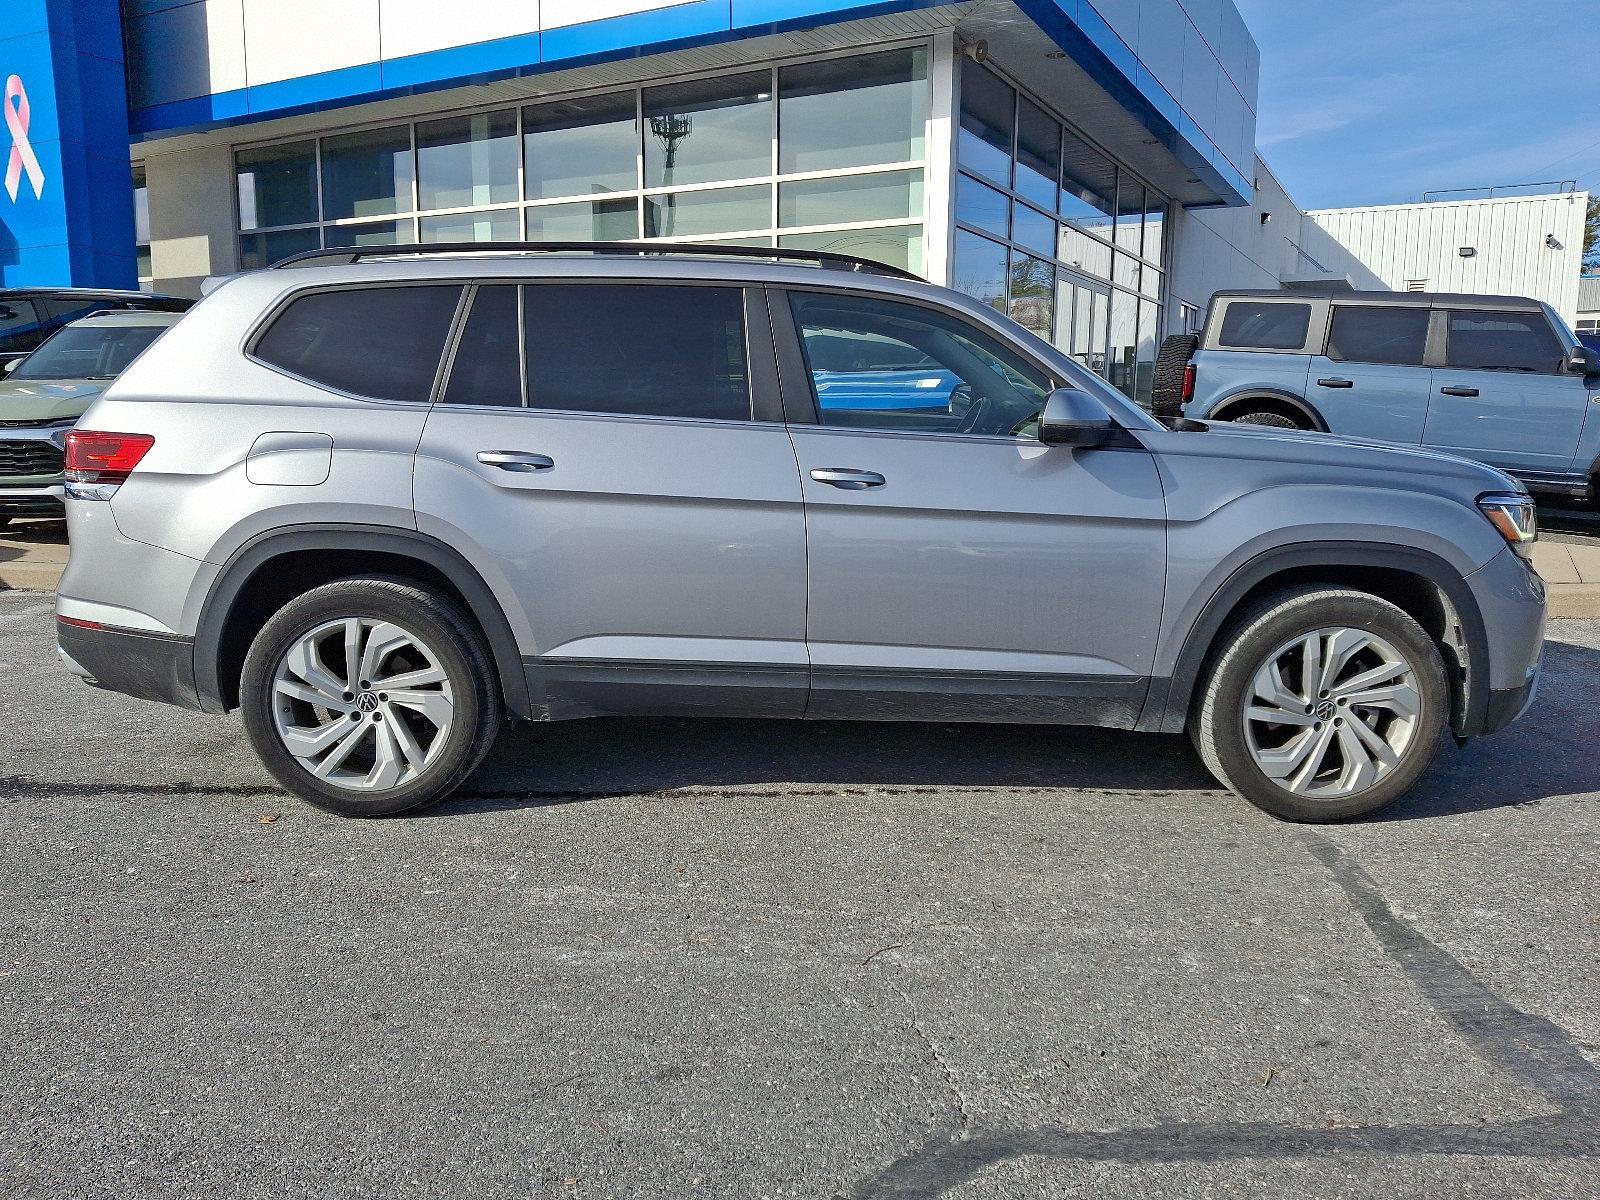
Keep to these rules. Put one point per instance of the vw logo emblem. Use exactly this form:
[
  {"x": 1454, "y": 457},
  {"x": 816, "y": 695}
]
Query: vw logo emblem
[
  {"x": 367, "y": 702},
  {"x": 1325, "y": 711}
]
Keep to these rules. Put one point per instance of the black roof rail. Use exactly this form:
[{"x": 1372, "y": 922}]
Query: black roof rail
[{"x": 345, "y": 255}]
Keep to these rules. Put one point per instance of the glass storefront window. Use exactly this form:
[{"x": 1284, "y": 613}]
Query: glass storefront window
[
  {"x": 579, "y": 147},
  {"x": 277, "y": 185},
  {"x": 141, "y": 221},
  {"x": 1121, "y": 362},
  {"x": 1088, "y": 183},
  {"x": 1155, "y": 227},
  {"x": 708, "y": 130},
  {"x": 615, "y": 220},
  {"x": 1038, "y": 154},
  {"x": 466, "y": 162},
  {"x": 898, "y": 246},
  {"x": 1130, "y": 215},
  {"x": 1032, "y": 293},
  {"x": 852, "y": 112},
  {"x": 1127, "y": 272},
  {"x": 1033, "y": 229},
  {"x": 370, "y": 233},
  {"x": 894, "y": 195},
  {"x": 367, "y": 174},
  {"x": 498, "y": 225},
  {"x": 982, "y": 207},
  {"x": 1084, "y": 253},
  {"x": 980, "y": 269},
  {"x": 722, "y": 210},
  {"x": 988, "y": 113},
  {"x": 1149, "y": 323},
  {"x": 258, "y": 250}
]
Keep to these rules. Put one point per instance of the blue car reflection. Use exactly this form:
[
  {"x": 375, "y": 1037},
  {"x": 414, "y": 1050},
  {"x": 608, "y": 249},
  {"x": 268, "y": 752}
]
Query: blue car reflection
[{"x": 912, "y": 389}]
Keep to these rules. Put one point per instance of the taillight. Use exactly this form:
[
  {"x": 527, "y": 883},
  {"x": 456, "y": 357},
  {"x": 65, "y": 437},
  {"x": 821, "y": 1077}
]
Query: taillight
[
  {"x": 1188, "y": 383},
  {"x": 98, "y": 462}
]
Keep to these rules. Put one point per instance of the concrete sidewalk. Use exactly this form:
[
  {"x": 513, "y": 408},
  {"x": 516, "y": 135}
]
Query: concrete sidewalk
[{"x": 34, "y": 553}]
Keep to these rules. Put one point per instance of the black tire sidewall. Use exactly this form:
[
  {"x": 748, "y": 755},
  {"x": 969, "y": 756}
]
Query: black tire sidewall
[
  {"x": 1299, "y": 614},
  {"x": 438, "y": 623},
  {"x": 1166, "y": 388},
  {"x": 1268, "y": 420}
]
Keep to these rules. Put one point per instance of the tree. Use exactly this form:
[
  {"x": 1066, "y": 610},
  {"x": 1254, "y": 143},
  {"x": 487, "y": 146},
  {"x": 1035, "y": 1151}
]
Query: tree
[{"x": 1591, "y": 235}]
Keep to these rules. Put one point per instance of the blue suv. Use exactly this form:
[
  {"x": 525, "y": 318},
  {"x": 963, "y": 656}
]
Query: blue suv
[{"x": 1500, "y": 379}]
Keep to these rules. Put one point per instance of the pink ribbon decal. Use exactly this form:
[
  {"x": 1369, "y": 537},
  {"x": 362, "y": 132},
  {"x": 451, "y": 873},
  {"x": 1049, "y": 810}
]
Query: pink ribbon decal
[{"x": 18, "y": 117}]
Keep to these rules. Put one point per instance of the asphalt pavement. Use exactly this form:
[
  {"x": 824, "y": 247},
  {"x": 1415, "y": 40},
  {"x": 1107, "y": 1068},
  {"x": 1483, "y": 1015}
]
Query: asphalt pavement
[{"x": 752, "y": 959}]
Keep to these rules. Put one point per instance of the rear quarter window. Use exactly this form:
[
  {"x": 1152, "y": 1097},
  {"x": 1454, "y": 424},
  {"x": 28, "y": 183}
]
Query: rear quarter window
[
  {"x": 381, "y": 342},
  {"x": 1264, "y": 326}
]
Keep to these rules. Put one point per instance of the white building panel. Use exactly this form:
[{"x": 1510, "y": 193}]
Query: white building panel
[
  {"x": 560, "y": 13},
  {"x": 1520, "y": 245},
  {"x": 414, "y": 26},
  {"x": 285, "y": 39}
]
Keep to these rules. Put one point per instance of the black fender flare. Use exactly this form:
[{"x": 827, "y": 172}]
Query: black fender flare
[
  {"x": 407, "y": 543},
  {"x": 1299, "y": 403},
  {"x": 1169, "y": 713}
]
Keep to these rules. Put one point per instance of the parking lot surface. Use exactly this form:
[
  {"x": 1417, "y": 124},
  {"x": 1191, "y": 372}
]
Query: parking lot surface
[{"x": 667, "y": 958}]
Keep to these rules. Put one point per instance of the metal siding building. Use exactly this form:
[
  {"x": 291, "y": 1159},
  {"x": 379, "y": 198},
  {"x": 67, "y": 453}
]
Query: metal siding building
[{"x": 1420, "y": 246}]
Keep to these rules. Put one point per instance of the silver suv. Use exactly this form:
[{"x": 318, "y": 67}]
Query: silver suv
[{"x": 381, "y": 501}]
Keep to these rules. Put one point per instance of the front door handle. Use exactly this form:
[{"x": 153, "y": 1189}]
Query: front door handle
[
  {"x": 516, "y": 460},
  {"x": 1335, "y": 383},
  {"x": 851, "y": 481},
  {"x": 1457, "y": 390}
]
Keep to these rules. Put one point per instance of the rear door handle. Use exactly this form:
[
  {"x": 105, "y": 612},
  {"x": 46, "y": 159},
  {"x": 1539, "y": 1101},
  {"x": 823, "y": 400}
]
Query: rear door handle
[
  {"x": 516, "y": 460},
  {"x": 1456, "y": 390},
  {"x": 851, "y": 481},
  {"x": 1335, "y": 383}
]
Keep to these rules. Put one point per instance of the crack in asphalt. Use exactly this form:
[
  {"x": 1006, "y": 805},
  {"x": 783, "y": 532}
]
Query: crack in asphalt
[
  {"x": 962, "y": 1110},
  {"x": 1529, "y": 1049}
]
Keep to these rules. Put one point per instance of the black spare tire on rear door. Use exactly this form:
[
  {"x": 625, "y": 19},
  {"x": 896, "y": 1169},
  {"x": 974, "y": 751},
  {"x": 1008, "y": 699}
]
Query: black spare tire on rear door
[{"x": 1166, "y": 393}]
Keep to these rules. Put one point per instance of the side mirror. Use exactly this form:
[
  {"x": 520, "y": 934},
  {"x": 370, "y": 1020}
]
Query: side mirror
[
  {"x": 1074, "y": 418},
  {"x": 1583, "y": 361}
]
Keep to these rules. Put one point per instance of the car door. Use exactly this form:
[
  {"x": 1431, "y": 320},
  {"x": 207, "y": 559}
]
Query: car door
[
  {"x": 1503, "y": 395},
  {"x": 1371, "y": 379},
  {"x": 957, "y": 567},
  {"x": 596, "y": 447}
]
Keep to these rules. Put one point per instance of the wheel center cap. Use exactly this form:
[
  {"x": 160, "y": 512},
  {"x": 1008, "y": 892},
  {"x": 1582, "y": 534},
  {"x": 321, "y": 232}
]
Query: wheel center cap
[
  {"x": 367, "y": 702},
  {"x": 1325, "y": 711}
]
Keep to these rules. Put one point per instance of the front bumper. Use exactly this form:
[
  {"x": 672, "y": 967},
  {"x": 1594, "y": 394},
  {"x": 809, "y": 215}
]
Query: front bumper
[
  {"x": 1511, "y": 600},
  {"x": 149, "y": 666},
  {"x": 31, "y": 478},
  {"x": 46, "y": 501}
]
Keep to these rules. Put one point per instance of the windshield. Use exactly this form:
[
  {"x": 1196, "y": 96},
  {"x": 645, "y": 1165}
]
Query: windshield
[{"x": 88, "y": 352}]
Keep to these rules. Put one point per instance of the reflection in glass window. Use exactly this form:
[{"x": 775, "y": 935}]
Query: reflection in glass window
[
  {"x": 721, "y": 210},
  {"x": 1032, "y": 293},
  {"x": 579, "y": 147},
  {"x": 1084, "y": 253},
  {"x": 1127, "y": 272},
  {"x": 1155, "y": 226},
  {"x": 373, "y": 233},
  {"x": 277, "y": 185},
  {"x": 987, "y": 121},
  {"x": 980, "y": 269},
  {"x": 981, "y": 206},
  {"x": 1033, "y": 229},
  {"x": 637, "y": 349},
  {"x": 898, "y": 246},
  {"x": 366, "y": 174},
  {"x": 141, "y": 220},
  {"x": 259, "y": 250},
  {"x": 1149, "y": 323},
  {"x": 1130, "y": 215},
  {"x": 585, "y": 221},
  {"x": 1038, "y": 154},
  {"x": 488, "y": 367},
  {"x": 708, "y": 130},
  {"x": 852, "y": 112},
  {"x": 894, "y": 195},
  {"x": 499, "y": 225},
  {"x": 1088, "y": 181},
  {"x": 463, "y": 162},
  {"x": 1121, "y": 366}
]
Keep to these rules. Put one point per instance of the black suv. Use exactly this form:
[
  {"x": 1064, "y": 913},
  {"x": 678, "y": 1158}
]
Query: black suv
[{"x": 29, "y": 315}]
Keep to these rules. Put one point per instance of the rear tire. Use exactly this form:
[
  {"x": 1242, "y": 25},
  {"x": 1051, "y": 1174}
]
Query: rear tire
[
  {"x": 1272, "y": 419},
  {"x": 1166, "y": 389},
  {"x": 319, "y": 714},
  {"x": 1348, "y": 743}
]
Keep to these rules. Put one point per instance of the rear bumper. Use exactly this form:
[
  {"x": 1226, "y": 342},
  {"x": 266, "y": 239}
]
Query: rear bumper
[{"x": 150, "y": 666}]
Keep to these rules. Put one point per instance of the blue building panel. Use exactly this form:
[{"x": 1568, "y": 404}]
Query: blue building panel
[{"x": 66, "y": 193}]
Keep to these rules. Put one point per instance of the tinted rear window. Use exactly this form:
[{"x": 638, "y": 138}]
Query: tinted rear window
[
  {"x": 1396, "y": 336},
  {"x": 1502, "y": 341},
  {"x": 382, "y": 342},
  {"x": 639, "y": 349},
  {"x": 20, "y": 326},
  {"x": 1247, "y": 326}
]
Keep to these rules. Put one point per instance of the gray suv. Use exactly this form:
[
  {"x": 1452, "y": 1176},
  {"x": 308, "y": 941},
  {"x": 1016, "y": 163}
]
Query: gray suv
[{"x": 383, "y": 500}]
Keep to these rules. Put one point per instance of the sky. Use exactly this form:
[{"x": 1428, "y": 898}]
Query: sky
[{"x": 1379, "y": 101}]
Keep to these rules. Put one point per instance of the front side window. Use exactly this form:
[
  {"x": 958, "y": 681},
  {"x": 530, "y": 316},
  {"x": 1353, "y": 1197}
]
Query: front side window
[
  {"x": 381, "y": 342},
  {"x": 639, "y": 350},
  {"x": 1396, "y": 336},
  {"x": 878, "y": 364},
  {"x": 1502, "y": 341},
  {"x": 1269, "y": 326},
  {"x": 88, "y": 352}
]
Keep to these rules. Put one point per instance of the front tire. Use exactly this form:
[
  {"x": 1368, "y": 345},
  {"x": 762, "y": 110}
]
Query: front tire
[
  {"x": 1328, "y": 703},
  {"x": 370, "y": 697}
]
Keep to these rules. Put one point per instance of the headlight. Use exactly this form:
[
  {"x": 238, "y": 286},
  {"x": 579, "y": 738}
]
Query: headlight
[{"x": 1512, "y": 513}]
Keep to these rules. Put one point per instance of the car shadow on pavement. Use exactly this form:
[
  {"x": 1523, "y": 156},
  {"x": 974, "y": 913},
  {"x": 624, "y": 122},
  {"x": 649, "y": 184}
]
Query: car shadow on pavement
[{"x": 1551, "y": 752}]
